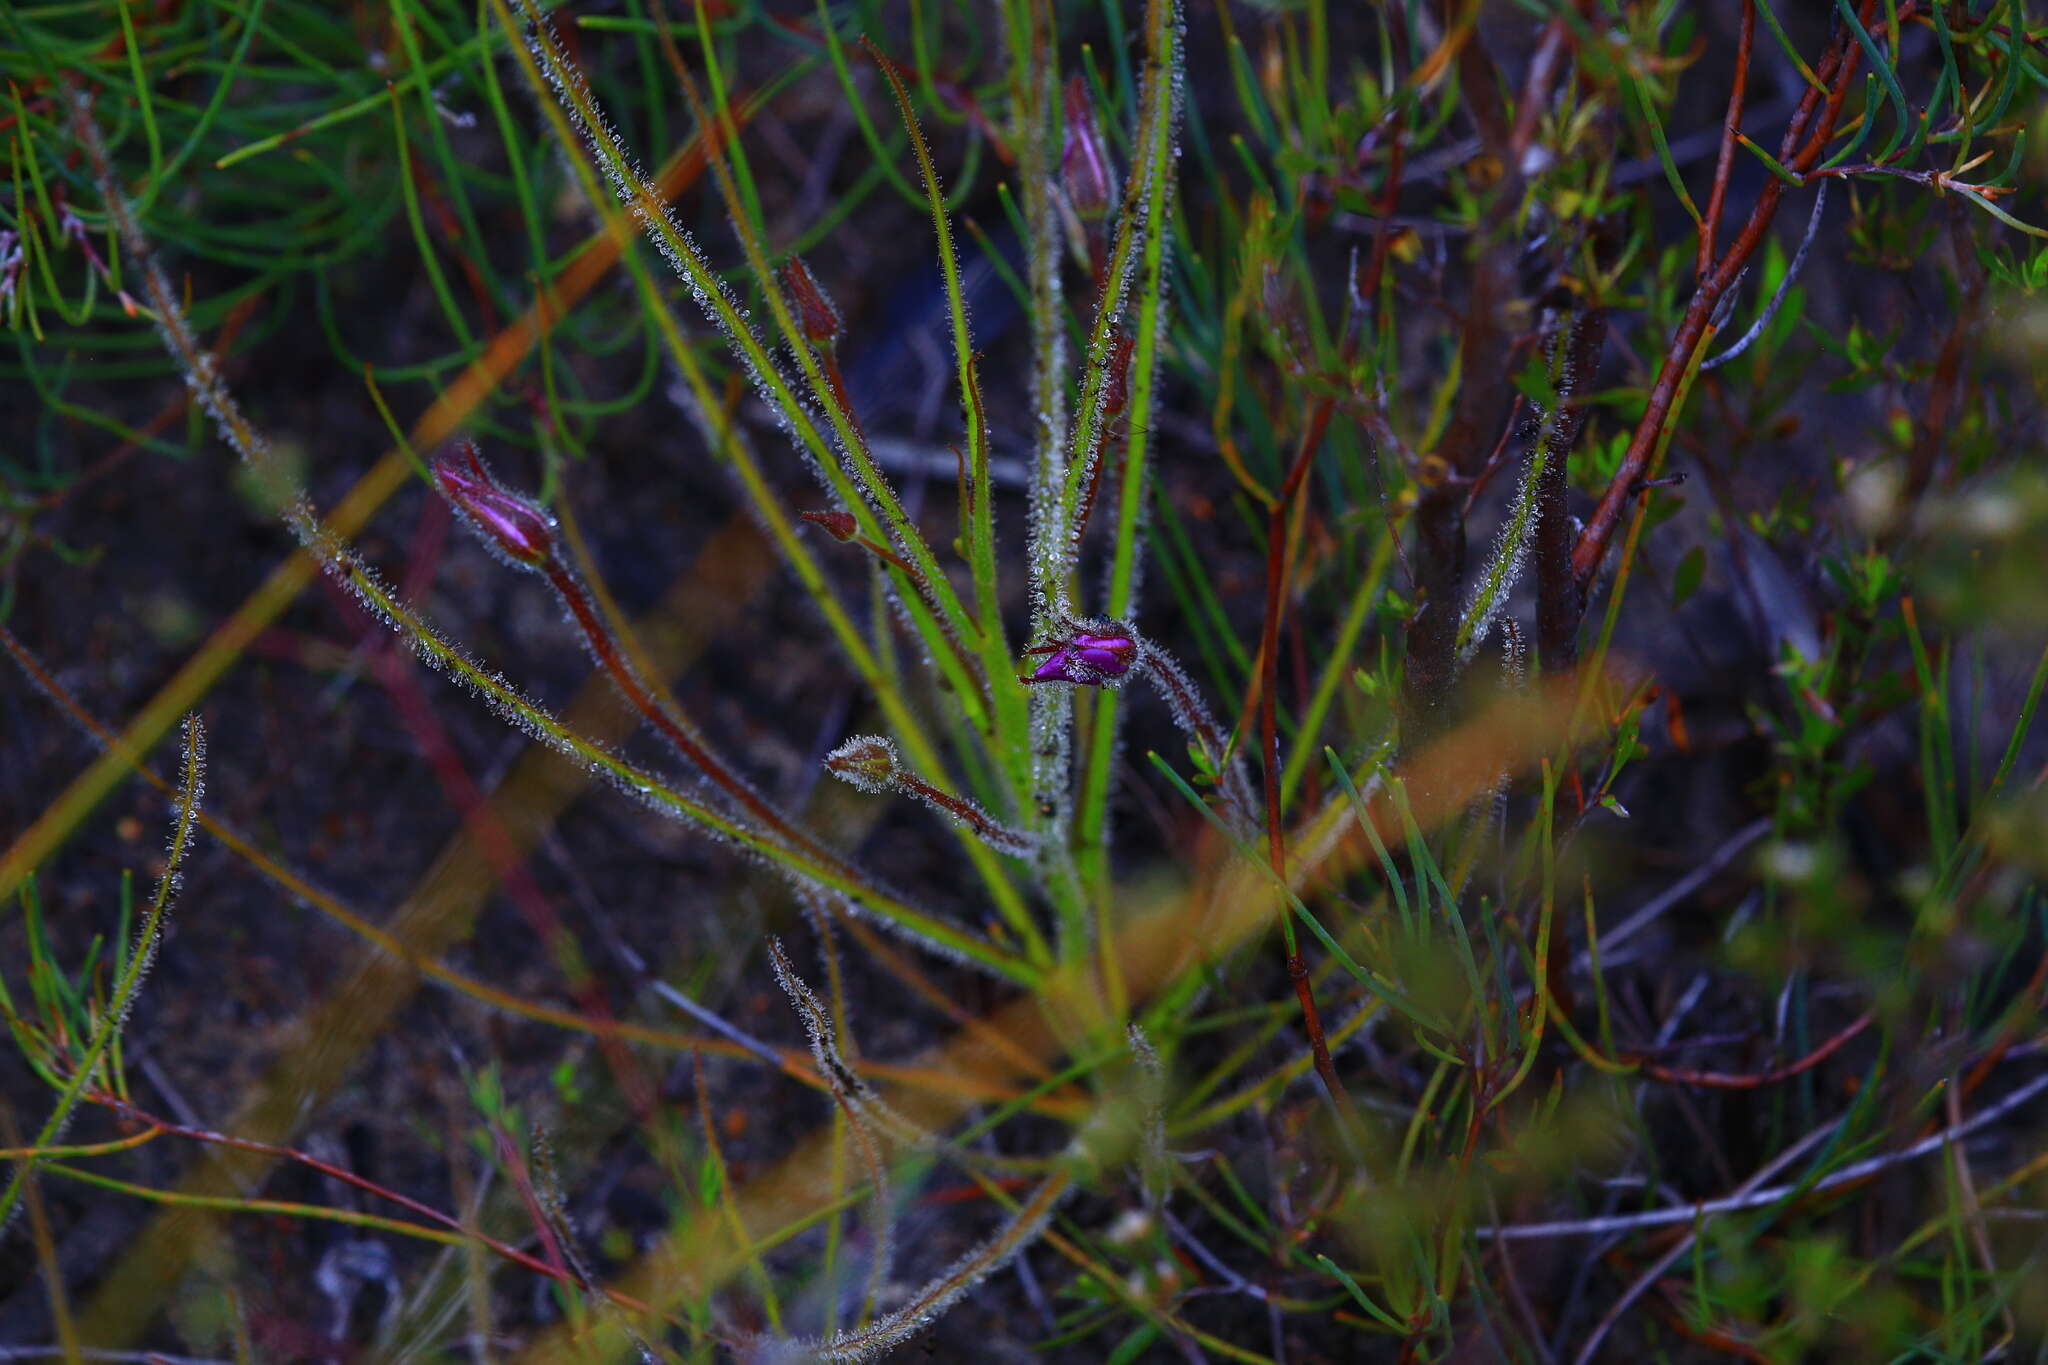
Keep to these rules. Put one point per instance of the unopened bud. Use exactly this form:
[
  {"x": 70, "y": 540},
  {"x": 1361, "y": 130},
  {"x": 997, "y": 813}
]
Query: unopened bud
[
  {"x": 814, "y": 312},
  {"x": 515, "y": 527},
  {"x": 840, "y": 525},
  {"x": 1084, "y": 159},
  {"x": 866, "y": 761}
]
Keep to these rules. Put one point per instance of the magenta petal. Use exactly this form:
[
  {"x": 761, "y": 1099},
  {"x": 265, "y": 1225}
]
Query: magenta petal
[
  {"x": 1089, "y": 659},
  {"x": 1056, "y": 668},
  {"x": 1111, "y": 655}
]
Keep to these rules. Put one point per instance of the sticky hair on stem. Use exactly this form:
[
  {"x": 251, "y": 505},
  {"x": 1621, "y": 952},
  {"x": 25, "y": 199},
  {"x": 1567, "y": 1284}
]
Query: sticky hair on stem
[{"x": 872, "y": 764}]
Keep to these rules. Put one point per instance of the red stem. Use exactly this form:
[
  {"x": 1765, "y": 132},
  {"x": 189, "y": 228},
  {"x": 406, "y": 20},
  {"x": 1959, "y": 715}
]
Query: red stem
[
  {"x": 1724, "y": 165},
  {"x": 642, "y": 700},
  {"x": 347, "y": 1177},
  {"x": 1840, "y": 66},
  {"x": 1726, "y": 1080}
]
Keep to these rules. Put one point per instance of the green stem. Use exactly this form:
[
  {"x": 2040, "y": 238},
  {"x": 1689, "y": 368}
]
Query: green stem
[{"x": 190, "y": 786}]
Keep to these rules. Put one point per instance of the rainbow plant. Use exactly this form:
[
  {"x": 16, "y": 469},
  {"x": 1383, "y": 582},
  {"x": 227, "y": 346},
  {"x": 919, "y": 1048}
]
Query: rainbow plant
[{"x": 1039, "y": 735}]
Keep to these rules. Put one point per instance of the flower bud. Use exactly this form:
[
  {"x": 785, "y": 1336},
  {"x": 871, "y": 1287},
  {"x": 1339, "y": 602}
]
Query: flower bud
[
  {"x": 1084, "y": 159},
  {"x": 840, "y": 525},
  {"x": 866, "y": 761},
  {"x": 515, "y": 527},
  {"x": 814, "y": 312}
]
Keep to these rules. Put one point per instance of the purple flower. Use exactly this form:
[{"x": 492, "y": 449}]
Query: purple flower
[
  {"x": 1092, "y": 656},
  {"x": 518, "y": 529}
]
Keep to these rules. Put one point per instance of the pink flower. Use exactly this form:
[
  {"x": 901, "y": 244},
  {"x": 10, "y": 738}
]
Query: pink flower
[
  {"x": 516, "y": 528},
  {"x": 1094, "y": 655}
]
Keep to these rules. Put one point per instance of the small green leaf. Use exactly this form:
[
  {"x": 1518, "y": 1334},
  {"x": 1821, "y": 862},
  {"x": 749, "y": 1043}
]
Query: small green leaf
[
  {"x": 564, "y": 1079},
  {"x": 1662, "y": 508},
  {"x": 1535, "y": 384},
  {"x": 1685, "y": 579}
]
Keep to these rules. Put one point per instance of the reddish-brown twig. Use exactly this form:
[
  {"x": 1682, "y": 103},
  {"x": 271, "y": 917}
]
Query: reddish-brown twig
[
  {"x": 1724, "y": 164},
  {"x": 1943, "y": 390},
  {"x": 1811, "y": 125},
  {"x": 1278, "y": 517},
  {"x": 1734, "y": 1080}
]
